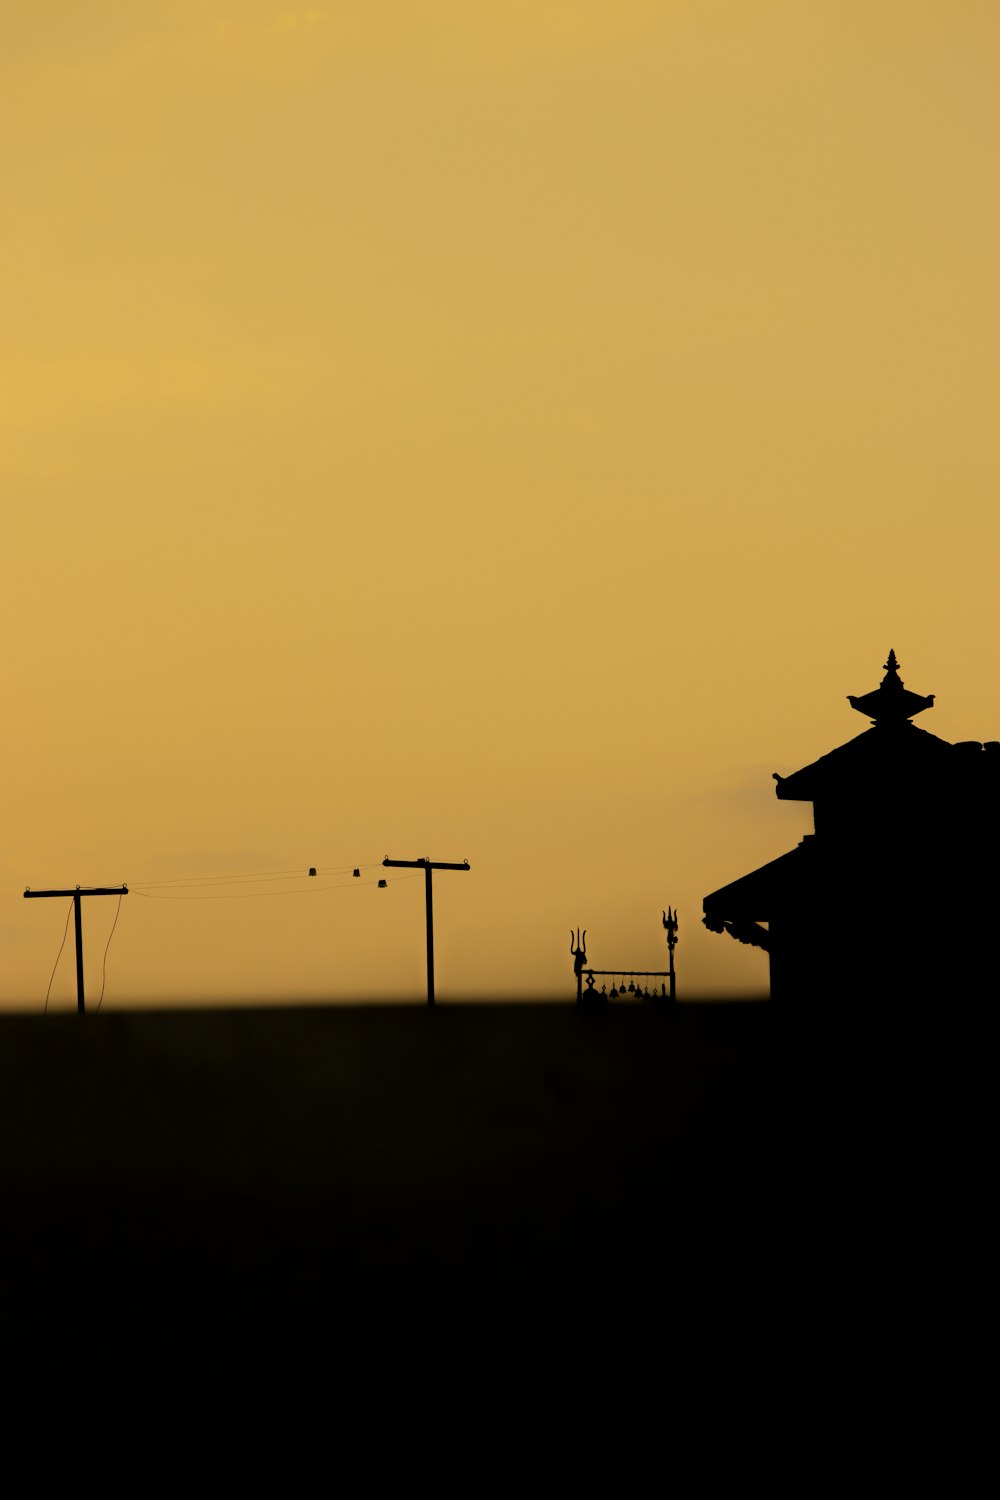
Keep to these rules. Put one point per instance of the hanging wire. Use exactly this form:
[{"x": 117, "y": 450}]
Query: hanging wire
[
  {"x": 58, "y": 957},
  {"x": 258, "y": 877},
  {"x": 225, "y": 879},
  {"x": 310, "y": 890},
  {"x": 196, "y": 881},
  {"x": 104, "y": 967}
]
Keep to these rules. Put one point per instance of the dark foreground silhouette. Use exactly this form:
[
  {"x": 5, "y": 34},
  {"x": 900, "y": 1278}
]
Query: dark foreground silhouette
[{"x": 321, "y": 1220}]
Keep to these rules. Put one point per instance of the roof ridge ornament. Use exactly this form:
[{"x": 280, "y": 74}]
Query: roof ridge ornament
[{"x": 890, "y": 703}]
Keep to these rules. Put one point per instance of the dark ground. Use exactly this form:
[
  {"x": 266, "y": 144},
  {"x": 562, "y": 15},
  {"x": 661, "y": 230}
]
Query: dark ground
[{"x": 289, "y": 1218}]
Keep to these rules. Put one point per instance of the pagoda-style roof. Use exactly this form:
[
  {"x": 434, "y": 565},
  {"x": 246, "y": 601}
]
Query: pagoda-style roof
[
  {"x": 906, "y": 828},
  {"x": 872, "y": 756},
  {"x": 892, "y": 748}
]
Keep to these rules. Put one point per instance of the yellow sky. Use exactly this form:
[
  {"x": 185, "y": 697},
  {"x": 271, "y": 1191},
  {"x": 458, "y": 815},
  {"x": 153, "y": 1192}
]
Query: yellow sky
[{"x": 489, "y": 430}]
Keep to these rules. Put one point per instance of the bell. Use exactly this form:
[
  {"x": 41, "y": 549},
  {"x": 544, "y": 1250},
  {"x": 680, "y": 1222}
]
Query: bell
[
  {"x": 357, "y": 874},
  {"x": 312, "y": 869},
  {"x": 383, "y": 884},
  {"x": 612, "y": 993},
  {"x": 631, "y": 987}
]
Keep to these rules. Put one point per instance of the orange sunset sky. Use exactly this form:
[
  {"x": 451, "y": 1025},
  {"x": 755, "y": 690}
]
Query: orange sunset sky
[{"x": 496, "y": 429}]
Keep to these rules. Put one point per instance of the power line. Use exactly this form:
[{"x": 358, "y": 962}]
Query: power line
[
  {"x": 258, "y": 877},
  {"x": 104, "y": 966},
  {"x": 310, "y": 890},
  {"x": 193, "y": 888},
  {"x": 58, "y": 957}
]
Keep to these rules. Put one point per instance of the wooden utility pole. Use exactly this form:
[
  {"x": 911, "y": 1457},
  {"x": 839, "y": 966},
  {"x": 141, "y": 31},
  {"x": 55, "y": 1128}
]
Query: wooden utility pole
[
  {"x": 427, "y": 865},
  {"x": 76, "y": 893}
]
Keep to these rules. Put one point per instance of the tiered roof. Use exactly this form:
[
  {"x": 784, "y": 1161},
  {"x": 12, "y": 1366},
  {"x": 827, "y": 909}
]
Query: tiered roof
[{"x": 890, "y": 746}]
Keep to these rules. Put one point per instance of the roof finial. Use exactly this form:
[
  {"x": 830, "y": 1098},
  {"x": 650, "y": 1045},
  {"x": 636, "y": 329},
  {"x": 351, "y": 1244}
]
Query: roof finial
[{"x": 890, "y": 703}]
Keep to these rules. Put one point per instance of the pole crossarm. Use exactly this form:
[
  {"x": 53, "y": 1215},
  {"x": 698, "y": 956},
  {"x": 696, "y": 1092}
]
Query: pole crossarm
[
  {"x": 76, "y": 893},
  {"x": 81, "y": 890},
  {"x": 427, "y": 865},
  {"x": 422, "y": 864}
]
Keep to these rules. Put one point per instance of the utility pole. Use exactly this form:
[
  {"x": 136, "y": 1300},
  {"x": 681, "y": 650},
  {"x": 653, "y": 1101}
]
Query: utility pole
[
  {"x": 427, "y": 865},
  {"x": 76, "y": 893}
]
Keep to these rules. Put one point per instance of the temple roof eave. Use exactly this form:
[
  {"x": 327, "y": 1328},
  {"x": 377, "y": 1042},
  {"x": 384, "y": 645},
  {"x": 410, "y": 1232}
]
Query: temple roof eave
[
  {"x": 752, "y": 897},
  {"x": 865, "y": 753}
]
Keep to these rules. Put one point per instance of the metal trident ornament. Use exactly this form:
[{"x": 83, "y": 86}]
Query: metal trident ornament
[
  {"x": 590, "y": 994},
  {"x": 670, "y": 923},
  {"x": 579, "y": 953}
]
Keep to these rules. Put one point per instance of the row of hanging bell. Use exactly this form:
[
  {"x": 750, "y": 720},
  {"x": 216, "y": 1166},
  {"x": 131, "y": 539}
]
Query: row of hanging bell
[{"x": 632, "y": 989}]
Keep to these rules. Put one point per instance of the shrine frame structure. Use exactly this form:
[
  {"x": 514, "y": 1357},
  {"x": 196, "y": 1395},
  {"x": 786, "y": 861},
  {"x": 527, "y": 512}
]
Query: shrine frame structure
[{"x": 588, "y": 994}]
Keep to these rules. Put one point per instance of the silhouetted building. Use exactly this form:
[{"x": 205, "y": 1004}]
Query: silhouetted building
[{"x": 894, "y": 895}]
